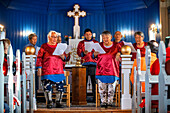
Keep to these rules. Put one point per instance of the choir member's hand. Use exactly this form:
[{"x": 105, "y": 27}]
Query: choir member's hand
[
  {"x": 85, "y": 52},
  {"x": 67, "y": 55},
  {"x": 96, "y": 53},
  {"x": 39, "y": 72},
  {"x": 118, "y": 56},
  {"x": 62, "y": 56}
]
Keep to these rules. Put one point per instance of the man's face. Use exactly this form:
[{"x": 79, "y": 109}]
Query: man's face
[
  {"x": 118, "y": 36},
  {"x": 88, "y": 35},
  {"x": 59, "y": 39},
  {"x": 33, "y": 40},
  {"x": 53, "y": 38},
  {"x": 138, "y": 39},
  {"x": 106, "y": 39}
]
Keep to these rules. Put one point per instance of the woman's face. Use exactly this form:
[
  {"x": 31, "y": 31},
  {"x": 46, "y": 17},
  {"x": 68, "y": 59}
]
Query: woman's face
[
  {"x": 53, "y": 39},
  {"x": 139, "y": 39},
  {"x": 106, "y": 39}
]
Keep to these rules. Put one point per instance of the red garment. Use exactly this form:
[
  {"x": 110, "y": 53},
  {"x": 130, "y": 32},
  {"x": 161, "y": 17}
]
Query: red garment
[
  {"x": 155, "y": 71},
  {"x": 51, "y": 64},
  {"x": 120, "y": 43},
  {"x": 5, "y": 67},
  {"x": 142, "y": 104},
  {"x": 81, "y": 49},
  {"x": 167, "y": 53},
  {"x": 106, "y": 63},
  {"x": 142, "y": 50}
]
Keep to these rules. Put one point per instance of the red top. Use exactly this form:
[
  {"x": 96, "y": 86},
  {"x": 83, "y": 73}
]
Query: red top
[
  {"x": 106, "y": 63},
  {"x": 81, "y": 49},
  {"x": 142, "y": 50},
  {"x": 5, "y": 67},
  {"x": 167, "y": 53},
  {"x": 50, "y": 64},
  {"x": 120, "y": 43}
]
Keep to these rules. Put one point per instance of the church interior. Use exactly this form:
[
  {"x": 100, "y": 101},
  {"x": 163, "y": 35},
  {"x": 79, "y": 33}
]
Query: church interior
[{"x": 84, "y": 56}]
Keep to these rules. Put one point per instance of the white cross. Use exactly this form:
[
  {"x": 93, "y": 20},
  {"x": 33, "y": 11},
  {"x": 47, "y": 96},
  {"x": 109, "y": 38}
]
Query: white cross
[{"x": 76, "y": 13}]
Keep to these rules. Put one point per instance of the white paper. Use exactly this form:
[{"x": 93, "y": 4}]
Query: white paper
[
  {"x": 131, "y": 46},
  {"x": 88, "y": 46},
  {"x": 37, "y": 49},
  {"x": 98, "y": 48},
  {"x": 69, "y": 49},
  {"x": 59, "y": 50}
]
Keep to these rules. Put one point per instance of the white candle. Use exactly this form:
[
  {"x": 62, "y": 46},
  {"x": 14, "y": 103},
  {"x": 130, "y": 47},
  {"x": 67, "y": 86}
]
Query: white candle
[
  {"x": 94, "y": 34},
  {"x": 100, "y": 38}
]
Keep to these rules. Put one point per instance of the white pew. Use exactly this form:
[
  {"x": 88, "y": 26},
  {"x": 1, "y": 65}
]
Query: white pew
[
  {"x": 30, "y": 70},
  {"x": 140, "y": 78},
  {"x": 23, "y": 106},
  {"x": 17, "y": 81},
  {"x": 164, "y": 80},
  {"x": 134, "y": 103},
  {"x": 1, "y": 77},
  {"x": 145, "y": 76},
  {"x": 10, "y": 79},
  {"x": 149, "y": 80}
]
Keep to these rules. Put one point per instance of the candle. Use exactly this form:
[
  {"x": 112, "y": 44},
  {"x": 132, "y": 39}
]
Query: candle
[
  {"x": 94, "y": 34},
  {"x": 100, "y": 38}
]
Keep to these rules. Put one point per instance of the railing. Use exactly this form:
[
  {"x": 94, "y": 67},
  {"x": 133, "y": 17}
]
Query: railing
[{"x": 18, "y": 79}]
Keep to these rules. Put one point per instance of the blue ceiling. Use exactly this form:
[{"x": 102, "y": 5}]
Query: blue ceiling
[{"x": 54, "y": 6}]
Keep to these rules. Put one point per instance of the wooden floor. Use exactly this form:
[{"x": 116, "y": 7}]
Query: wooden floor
[
  {"x": 82, "y": 110},
  {"x": 90, "y": 108}
]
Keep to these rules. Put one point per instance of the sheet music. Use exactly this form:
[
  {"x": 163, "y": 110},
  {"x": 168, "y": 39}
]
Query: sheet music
[
  {"x": 131, "y": 46},
  {"x": 97, "y": 47},
  {"x": 88, "y": 46},
  {"x": 59, "y": 50},
  {"x": 69, "y": 49},
  {"x": 37, "y": 49}
]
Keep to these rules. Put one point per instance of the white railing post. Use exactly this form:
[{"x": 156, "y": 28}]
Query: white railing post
[
  {"x": 138, "y": 59},
  {"x": 1, "y": 77},
  {"x": 162, "y": 99},
  {"x": 18, "y": 83},
  {"x": 126, "y": 101},
  {"x": 10, "y": 78},
  {"x": 134, "y": 92},
  {"x": 31, "y": 86},
  {"x": 24, "y": 106},
  {"x": 147, "y": 85}
]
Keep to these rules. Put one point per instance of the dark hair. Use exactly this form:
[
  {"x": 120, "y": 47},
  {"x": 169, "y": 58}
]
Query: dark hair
[
  {"x": 106, "y": 33},
  {"x": 6, "y": 42},
  {"x": 139, "y": 33},
  {"x": 167, "y": 41},
  {"x": 31, "y": 36},
  {"x": 153, "y": 47},
  {"x": 87, "y": 30}
]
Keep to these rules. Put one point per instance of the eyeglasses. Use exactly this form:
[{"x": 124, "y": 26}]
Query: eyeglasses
[{"x": 54, "y": 36}]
